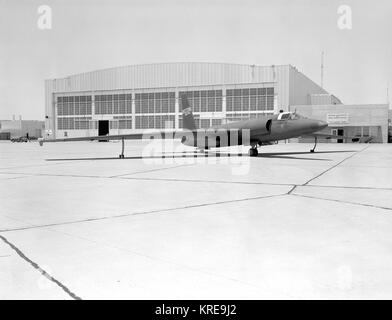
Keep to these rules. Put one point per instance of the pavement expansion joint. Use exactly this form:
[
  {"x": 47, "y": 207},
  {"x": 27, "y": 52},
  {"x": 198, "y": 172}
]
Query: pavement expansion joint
[
  {"x": 39, "y": 269},
  {"x": 334, "y": 166}
]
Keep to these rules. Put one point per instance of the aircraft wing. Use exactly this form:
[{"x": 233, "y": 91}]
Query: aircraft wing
[
  {"x": 330, "y": 136},
  {"x": 128, "y": 136},
  {"x": 145, "y": 135}
]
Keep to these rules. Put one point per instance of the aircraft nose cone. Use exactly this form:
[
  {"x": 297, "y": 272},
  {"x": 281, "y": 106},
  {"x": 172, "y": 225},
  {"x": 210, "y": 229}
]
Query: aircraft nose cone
[
  {"x": 318, "y": 125},
  {"x": 322, "y": 124}
]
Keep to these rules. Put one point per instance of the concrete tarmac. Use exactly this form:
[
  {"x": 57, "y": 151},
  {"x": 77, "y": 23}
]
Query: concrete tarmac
[{"x": 168, "y": 223}]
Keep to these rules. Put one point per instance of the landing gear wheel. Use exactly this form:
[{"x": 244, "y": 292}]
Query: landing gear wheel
[
  {"x": 315, "y": 144},
  {"x": 253, "y": 152},
  {"x": 121, "y": 156}
]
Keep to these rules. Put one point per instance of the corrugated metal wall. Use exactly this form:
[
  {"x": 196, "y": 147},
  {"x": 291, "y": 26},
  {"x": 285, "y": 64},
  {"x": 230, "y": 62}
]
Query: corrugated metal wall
[
  {"x": 168, "y": 75},
  {"x": 301, "y": 87}
]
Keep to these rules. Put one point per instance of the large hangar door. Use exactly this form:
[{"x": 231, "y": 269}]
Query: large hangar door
[{"x": 103, "y": 127}]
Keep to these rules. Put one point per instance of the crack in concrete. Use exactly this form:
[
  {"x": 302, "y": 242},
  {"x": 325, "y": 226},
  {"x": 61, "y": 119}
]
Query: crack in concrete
[
  {"x": 202, "y": 181},
  {"x": 292, "y": 189},
  {"x": 290, "y": 192},
  {"x": 306, "y": 184},
  {"x": 14, "y": 178},
  {"x": 30, "y": 166},
  {"x": 53, "y": 175},
  {"x": 141, "y": 213},
  {"x": 207, "y": 181},
  {"x": 91, "y": 176},
  {"x": 150, "y": 179},
  {"x": 152, "y": 170},
  {"x": 42, "y": 271},
  {"x": 334, "y": 166},
  {"x": 347, "y": 187},
  {"x": 342, "y": 201},
  {"x": 170, "y": 262}
]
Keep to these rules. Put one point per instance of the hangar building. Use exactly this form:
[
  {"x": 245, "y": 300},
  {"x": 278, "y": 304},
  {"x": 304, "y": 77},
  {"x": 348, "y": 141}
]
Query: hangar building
[
  {"x": 138, "y": 97},
  {"x": 133, "y": 98}
]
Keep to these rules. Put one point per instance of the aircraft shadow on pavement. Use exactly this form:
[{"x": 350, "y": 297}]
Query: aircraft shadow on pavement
[{"x": 195, "y": 154}]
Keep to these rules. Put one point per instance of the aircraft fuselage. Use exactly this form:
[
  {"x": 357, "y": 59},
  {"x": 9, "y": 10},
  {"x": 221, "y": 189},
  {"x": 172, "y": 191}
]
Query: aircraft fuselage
[{"x": 257, "y": 131}]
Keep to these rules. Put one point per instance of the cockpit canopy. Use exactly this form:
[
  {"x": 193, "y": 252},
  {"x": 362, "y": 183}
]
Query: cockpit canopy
[{"x": 288, "y": 116}]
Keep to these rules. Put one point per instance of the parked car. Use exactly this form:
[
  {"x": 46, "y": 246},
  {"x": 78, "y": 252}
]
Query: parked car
[{"x": 19, "y": 139}]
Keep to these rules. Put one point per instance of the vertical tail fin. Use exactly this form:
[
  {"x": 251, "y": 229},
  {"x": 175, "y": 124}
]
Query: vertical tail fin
[{"x": 187, "y": 115}]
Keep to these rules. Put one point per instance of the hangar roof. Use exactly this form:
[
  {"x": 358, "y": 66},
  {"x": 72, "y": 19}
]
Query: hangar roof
[{"x": 168, "y": 75}]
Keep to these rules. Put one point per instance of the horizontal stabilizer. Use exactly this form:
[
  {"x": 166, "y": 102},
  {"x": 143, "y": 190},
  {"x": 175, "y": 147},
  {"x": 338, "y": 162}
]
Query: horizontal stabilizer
[{"x": 331, "y": 136}]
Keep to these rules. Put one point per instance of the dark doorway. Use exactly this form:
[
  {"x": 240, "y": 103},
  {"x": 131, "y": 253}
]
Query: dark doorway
[
  {"x": 340, "y": 133},
  {"x": 103, "y": 127}
]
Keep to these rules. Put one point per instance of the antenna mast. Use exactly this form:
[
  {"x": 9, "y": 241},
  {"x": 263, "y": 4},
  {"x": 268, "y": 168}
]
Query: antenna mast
[{"x": 322, "y": 69}]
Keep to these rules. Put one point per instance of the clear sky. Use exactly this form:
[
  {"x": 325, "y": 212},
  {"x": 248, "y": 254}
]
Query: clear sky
[{"x": 88, "y": 35}]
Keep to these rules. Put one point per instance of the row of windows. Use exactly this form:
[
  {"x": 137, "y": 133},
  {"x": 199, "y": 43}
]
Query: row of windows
[
  {"x": 155, "y": 102},
  {"x": 74, "y": 105},
  {"x": 115, "y": 97},
  {"x": 155, "y": 95},
  {"x": 201, "y": 94},
  {"x": 167, "y": 95},
  {"x": 252, "y": 103},
  {"x": 245, "y": 116},
  {"x": 78, "y": 109},
  {"x": 73, "y": 123},
  {"x": 121, "y": 123},
  {"x": 365, "y": 131},
  {"x": 72, "y": 99},
  {"x": 199, "y": 123},
  {"x": 250, "y": 92},
  {"x": 149, "y": 122},
  {"x": 202, "y": 123},
  {"x": 155, "y": 105},
  {"x": 113, "y": 103},
  {"x": 256, "y": 103},
  {"x": 205, "y": 104},
  {"x": 86, "y": 123},
  {"x": 164, "y": 102},
  {"x": 113, "y": 107},
  {"x": 154, "y": 122},
  {"x": 203, "y": 101}
]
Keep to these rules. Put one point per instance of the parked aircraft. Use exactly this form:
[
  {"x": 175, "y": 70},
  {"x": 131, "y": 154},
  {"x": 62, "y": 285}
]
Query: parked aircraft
[{"x": 253, "y": 132}]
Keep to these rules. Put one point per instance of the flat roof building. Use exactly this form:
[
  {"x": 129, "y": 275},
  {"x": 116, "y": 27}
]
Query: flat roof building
[
  {"x": 369, "y": 122},
  {"x": 18, "y": 128}
]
